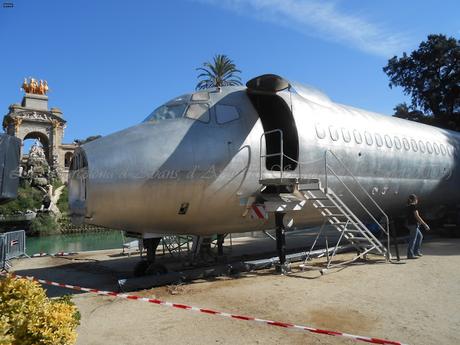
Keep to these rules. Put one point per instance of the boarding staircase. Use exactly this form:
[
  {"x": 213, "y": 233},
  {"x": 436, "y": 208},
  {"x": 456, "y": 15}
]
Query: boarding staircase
[{"x": 346, "y": 212}]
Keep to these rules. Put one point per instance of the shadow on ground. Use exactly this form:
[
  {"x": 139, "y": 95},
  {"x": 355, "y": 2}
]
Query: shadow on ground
[{"x": 88, "y": 271}]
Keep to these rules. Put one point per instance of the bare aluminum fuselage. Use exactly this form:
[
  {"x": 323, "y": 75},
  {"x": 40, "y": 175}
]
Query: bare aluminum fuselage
[{"x": 138, "y": 179}]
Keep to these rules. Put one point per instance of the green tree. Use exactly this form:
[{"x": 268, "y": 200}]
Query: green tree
[
  {"x": 221, "y": 72},
  {"x": 404, "y": 111},
  {"x": 430, "y": 75},
  {"x": 44, "y": 224},
  {"x": 29, "y": 198}
]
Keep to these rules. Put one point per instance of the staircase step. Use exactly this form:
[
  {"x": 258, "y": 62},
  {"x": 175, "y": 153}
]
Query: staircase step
[
  {"x": 336, "y": 215},
  {"x": 309, "y": 187},
  {"x": 332, "y": 206},
  {"x": 358, "y": 239},
  {"x": 285, "y": 181},
  {"x": 322, "y": 207},
  {"x": 289, "y": 197}
]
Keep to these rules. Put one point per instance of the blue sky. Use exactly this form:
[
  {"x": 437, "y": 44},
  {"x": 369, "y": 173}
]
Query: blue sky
[{"x": 110, "y": 63}]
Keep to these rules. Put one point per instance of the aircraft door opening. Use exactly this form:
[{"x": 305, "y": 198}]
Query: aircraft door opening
[{"x": 275, "y": 113}]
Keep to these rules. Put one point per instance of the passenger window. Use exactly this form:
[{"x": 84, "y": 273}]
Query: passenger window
[
  {"x": 378, "y": 140},
  {"x": 198, "y": 112},
  {"x": 226, "y": 113},
  {"x": 346, "y": 135},
  {"x": 397, "y": 143},
  {"x": 388, "y": 142},
  {"x": 414, "y": 145},
  {"x": 320, "y": 132},
  {"x": 406, "y": 144},
  {"x": 429, "y": 147},
  {"x": 436, "y": 148},
  {"x": 421, "y": 145},
  {"x": 368, "y": 138},
  {"x": 443, "y": 150},
  {"x": 333, "y": 132},
  {"x": 450, "y": 150},
  {"x": 357, "y": 136}
]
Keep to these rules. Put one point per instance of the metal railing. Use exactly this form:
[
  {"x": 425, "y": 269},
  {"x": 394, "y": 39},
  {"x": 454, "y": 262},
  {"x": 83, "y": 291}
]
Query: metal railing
[
  {"x": 327, "y": 172},
  {"x": 281, "y": 154},
  {"x": 264, "y": 156},
  {"x": 328, "y": 169},
  {"x": 12, "y": 245}
]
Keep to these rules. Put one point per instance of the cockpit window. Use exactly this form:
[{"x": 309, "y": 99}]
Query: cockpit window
[
  {"x": 181, "y": 99},
  {"x": 167, "y": 111},
  {"x": 226, "y": 113},
  {"x": 200, "y": 96},
  {"x": 198, "y": 111},
  {"x": 193, "y": 106}
]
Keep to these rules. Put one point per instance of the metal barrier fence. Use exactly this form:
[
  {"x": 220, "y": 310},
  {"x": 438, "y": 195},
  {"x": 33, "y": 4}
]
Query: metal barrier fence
[{"x": 12, "y": 245}]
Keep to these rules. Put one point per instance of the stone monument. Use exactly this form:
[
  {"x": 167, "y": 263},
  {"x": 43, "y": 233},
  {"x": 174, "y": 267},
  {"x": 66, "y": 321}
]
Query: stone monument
[{"x": 32, "y": 119}]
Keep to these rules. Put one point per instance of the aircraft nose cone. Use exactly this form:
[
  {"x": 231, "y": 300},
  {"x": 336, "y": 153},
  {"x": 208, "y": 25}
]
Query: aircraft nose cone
[{"x": 118, "y": 181}]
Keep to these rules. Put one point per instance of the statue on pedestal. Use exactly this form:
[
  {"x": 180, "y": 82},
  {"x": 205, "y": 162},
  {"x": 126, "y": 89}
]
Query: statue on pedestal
[
  {"x": 32, "y": 86},
  {"x": 37, "y": 168},
  {"x": 36, "y": 151}
]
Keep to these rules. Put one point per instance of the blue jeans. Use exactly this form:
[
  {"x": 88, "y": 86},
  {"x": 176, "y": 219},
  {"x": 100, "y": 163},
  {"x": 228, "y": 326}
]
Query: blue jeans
[{"x": 415, "y": 240}]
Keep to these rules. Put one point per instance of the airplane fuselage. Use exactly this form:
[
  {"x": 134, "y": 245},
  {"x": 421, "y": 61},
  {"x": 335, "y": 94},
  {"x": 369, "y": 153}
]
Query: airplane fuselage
[{"x": 192, "y": 166}]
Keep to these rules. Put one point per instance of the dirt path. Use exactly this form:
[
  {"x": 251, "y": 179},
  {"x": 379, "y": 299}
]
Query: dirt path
[{"x": 416, "y": 302}]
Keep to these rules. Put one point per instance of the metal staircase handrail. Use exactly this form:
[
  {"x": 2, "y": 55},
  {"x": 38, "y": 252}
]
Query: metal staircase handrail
[
  {"x": 363, "y": 229},
  {"x": 356, "y": 198},
  {"x": 281, "y": 153},
  {"x": 342, "y": 207},
  {"x": 327, "y": 167}
]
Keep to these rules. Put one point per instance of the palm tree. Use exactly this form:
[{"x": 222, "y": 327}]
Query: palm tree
[{"x": 221, "y": 72}]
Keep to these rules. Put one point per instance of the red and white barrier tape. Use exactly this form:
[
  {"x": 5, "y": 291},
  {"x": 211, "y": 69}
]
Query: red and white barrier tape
[
  {"x": 39, "y": 255},
  {"x": 63, "y": 254},
  {"x": 212, "y": 312}
]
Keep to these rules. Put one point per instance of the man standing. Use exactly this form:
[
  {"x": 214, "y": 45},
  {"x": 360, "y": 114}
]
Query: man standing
[{"x": 413, "y": 223}]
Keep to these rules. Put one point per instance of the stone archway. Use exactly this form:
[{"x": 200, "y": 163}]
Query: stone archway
[
  {"x": 43, "y": 140},
  {"x": 33, "y": 120},
  {"x": 68, "y": 159}
]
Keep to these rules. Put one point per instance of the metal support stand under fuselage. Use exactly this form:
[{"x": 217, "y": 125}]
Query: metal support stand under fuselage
[
  {"x": 281, "y": 267},
  {"x": 151, "y": 244},
  {"x": 220, "y": 245},
  {"x": 148, "y": 265}
]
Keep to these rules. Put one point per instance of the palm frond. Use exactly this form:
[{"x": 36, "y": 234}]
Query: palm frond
[{"x": 221, "y": 72}]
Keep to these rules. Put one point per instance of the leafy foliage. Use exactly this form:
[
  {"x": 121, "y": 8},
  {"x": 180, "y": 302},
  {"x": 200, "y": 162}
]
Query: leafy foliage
[
  {"x": 67, "y": 299},
  {"x": 29, "y": 198},
  {"x": 221, "y": 72},
  {"x": 403, "y": 111},
  {"x": 431, "y": 76},
  {"x": 44, "y": 224},
  {"x": 29, "y": 317},
  {"x": 63, "y": 202}
]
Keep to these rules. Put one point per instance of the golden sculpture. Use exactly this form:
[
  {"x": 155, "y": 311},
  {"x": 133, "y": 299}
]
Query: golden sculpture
[
  {"x": 32, "y": 86},
  {"x": 17, "y": 123}
]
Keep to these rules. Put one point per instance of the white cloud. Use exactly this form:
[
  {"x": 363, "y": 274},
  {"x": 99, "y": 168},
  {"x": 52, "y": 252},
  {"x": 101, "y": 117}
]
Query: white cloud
[{"x": 322, "y": 19}]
